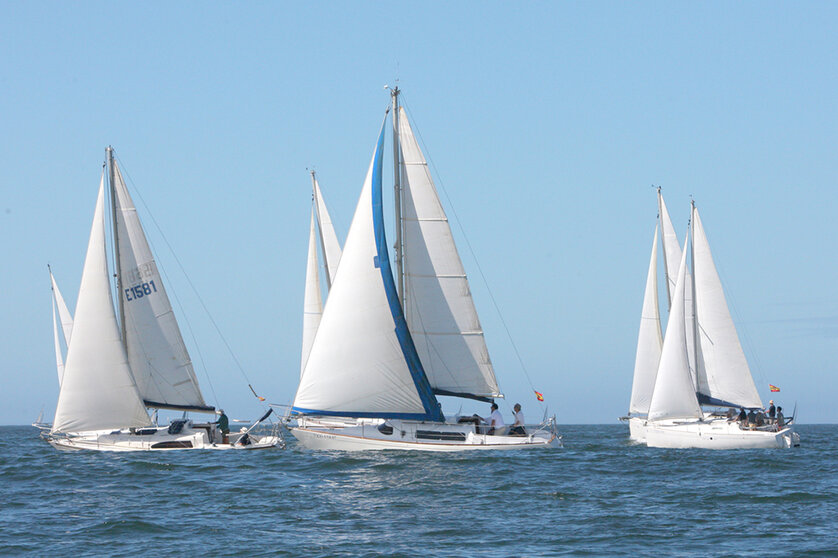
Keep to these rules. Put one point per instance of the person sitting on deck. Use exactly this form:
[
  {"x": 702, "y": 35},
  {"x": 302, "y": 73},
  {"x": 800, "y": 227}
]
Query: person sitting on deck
[
  {"x": 760, "y": 418},
  {"x": 224, "y": 426},
  {"x": 771, "y": 412},
  {"x": 517, "y": 429},
  {"x": 781, "y": 420},
  {"x": 743, "y": 416},
  {"x": 496, "y": 424},
  {"x": 752, "y": 419}
]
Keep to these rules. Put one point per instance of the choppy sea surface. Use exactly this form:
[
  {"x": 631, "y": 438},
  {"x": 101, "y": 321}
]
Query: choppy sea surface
[{"x": 599, "y": 496}]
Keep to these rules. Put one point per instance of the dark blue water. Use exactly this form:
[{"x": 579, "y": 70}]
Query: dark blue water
[{"x": 597, "y": 496}]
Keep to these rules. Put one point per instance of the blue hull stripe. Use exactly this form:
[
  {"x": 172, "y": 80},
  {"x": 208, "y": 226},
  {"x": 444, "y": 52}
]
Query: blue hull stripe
[{"x": 382, "y": 260}]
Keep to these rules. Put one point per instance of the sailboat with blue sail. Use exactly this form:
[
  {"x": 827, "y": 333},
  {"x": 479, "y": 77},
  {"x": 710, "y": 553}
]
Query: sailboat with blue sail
[{"x": 389, "y": 341}]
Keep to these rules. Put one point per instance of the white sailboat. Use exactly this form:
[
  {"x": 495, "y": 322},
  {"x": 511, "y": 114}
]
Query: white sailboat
[
  {"x": 385, "y": 347},
  {"x": 116, "y": 368},
  {"x": 720, "y": 378}
]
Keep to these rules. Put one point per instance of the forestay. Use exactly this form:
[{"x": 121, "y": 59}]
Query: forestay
[
  {"x": 439, "y": 308},
  {"x": 97, "y": 390},
  {"x": 649, "y": 341},
  {"x": 360, "y": 362},
  {"x": 724, "y": 375},
  {"x": 156, "y": 352}
]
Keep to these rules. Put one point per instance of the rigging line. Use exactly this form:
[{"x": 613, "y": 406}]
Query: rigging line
[{"x": 473, "y": 255}]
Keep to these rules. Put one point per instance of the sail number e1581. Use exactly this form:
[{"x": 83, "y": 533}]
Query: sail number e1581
[{"x": 139, "y": 291}]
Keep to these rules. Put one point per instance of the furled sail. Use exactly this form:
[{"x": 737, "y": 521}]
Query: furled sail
[
  {"x": 362, "y": 361},
  {"x": 440, "y": 311},
  {"x": 328, "y": 239},
  {"x": 724, "y": 376},
  {"x": 674, "y": 394},
  {"x": 97, "y": 390},
  {"x": 156, "y": 352},
  {"x": 313, "y": 302},
  {"x": 649, "y": 340}
]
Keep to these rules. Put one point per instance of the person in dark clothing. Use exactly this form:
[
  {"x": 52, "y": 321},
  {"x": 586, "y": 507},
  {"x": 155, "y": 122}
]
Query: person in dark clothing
[
  {"x": 743, "y": 417},
  {"x": 224, "y": 426},
  {"x": 771, "y": 412},
  {"x": 752, "y": 419},
  {"x": 781, "y": 420}
]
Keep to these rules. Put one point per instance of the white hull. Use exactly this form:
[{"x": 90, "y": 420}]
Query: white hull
[
  {"x": 376, "y": 434},
  {"x": 199, "y": 436},
  {"x": 637, "y": 429},
  {"x": 715, "y": 434}
]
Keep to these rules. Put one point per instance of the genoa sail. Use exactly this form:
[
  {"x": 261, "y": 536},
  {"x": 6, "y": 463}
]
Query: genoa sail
[
  {"x": 674, "y": 393},
  {"x": 97, "y": 389},
  {"x": 649, "y": 340}
]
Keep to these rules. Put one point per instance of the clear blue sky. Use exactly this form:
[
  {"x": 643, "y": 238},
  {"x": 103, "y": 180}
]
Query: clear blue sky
[{"x": 546, "y": 123}]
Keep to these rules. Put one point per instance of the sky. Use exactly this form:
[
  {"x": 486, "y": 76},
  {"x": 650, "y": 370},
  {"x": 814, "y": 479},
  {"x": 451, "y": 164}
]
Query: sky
[{"x": 545, "y": 124}]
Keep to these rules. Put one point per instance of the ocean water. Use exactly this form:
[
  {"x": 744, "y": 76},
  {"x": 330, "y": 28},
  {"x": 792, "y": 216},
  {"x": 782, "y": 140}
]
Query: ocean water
[{"x": 599, "y": 496}]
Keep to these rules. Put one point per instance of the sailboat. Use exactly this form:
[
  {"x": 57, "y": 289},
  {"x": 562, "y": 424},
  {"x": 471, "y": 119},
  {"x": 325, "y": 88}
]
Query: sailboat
[
  {"x": 116, "y": 368},
  {"x": 385, "y": 347},
  {"x": 698, "y": 366}
]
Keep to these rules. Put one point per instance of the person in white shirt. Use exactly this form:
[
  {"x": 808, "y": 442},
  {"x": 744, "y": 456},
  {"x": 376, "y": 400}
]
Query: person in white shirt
[
  {"x": 496, "y": 424},
  {"x": 518, "y": 428}
]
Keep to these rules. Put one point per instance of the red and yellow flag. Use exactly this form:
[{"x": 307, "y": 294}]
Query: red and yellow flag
[
  {"x": 540, "y": 396},
  {"x": 773, "y": 388}
]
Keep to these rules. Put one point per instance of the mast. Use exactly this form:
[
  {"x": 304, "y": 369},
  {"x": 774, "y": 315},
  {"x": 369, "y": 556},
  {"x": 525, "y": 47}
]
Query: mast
[
  {"x": 397, "y": 188},
  {"x": 694, "y": 297},
  {"x": 117, "y": 264},
  {"x": 320, "y": 229},
  {"x": 663, "y": 246}
]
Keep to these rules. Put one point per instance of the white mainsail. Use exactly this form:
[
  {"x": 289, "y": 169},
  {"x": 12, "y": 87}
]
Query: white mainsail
[
  {"x": 439, "y": 308},
  {"x": 649, "y": 340},
  {"x": 674, "y": 393},
  {"x": 97, "y": 389},
  {"x": 356, "y": 364},
  {"x": 328, "y": 239},
  {"x": 156, "y": 352},
  {"x": 724, "y": 374},
  {"x": 313, "y": 301}
]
